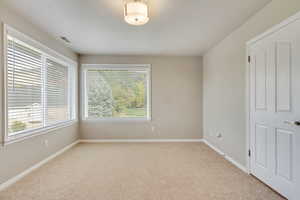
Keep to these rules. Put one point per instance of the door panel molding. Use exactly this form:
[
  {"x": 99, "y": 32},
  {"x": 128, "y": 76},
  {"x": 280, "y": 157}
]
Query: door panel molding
[
  {"x": 283, "y": 70},
  {"x": 284, "y": 153},
  {"x": 260, "y": 80}
]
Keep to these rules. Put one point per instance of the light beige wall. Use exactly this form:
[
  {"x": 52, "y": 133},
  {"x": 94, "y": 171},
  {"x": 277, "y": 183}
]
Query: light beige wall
[
  {"x": 16, "y": 157},
  {"x": 176, "y": 100},
  {"x": 224, "y": 80}
]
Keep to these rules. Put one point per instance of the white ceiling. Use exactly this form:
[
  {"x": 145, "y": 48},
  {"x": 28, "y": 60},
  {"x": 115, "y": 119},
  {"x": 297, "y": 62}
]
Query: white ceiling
[{"x": 176, "y": 27}]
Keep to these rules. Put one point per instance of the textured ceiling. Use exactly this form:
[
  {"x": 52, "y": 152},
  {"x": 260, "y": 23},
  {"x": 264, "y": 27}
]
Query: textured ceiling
[{"x": 176, "y": 27}]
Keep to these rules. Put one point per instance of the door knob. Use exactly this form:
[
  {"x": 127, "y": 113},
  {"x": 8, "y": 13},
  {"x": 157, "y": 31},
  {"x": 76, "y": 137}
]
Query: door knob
[{"x": 296, "y": 123}]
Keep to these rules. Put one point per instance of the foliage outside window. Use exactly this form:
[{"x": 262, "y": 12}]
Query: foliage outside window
[{"x": 117, "y": 93}]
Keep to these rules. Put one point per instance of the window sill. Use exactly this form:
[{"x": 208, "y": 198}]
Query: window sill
[
  {"x": 117, "y": 120},
  {"x": 37, "y": 132}
]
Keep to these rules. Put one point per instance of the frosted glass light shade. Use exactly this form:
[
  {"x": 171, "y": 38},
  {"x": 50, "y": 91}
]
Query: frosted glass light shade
[{"x": 136, "y": 12}]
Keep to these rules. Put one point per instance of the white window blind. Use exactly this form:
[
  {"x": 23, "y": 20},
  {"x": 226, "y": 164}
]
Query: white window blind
[
  {"x": 57, "y": 93},
  {"x": 24, "y": 87},
  {"x": 117, "y": 93},
  {"x": 40, "y": 89}
]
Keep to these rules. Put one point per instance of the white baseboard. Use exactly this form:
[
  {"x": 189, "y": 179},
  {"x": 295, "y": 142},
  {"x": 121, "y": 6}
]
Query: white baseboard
[
  {"x": 13, "y": 180},
  {"x": 214, "y": 148},
  {"x": 230, "y": 159},
  {"x": 237, "y": 164},
  {"x": 139, "y": 140}
]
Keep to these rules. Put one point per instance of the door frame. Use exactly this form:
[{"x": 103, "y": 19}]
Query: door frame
[{"x": 270, "y": 31}]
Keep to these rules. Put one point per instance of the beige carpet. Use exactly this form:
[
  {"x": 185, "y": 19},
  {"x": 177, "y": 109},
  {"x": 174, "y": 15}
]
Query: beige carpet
[{"x": 141, "y": 171}]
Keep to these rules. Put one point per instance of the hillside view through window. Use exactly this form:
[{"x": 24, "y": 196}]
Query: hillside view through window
[{"x": 117, "y": 93}]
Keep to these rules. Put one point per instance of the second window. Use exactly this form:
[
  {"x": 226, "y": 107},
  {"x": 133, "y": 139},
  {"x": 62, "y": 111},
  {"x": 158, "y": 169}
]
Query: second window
[{"x": 117, "y": 92}]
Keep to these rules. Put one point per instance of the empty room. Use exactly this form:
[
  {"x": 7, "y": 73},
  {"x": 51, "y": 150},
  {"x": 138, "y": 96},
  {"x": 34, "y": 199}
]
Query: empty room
[{"x": 149, "y": 100}]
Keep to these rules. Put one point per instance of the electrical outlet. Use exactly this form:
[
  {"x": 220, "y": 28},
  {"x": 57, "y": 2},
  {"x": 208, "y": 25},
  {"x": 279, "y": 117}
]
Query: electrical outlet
[
  {"x": 153, "y": 128},
  {"x": 46, "y": 143}
]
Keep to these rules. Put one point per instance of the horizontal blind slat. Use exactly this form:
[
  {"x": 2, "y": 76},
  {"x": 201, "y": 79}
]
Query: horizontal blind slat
[{"x": 17, "y": 56}]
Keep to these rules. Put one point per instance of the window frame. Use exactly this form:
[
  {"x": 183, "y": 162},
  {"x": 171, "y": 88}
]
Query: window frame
[
  {"x": 84, "y": 97},
  {"x": 47, "y": 53}
]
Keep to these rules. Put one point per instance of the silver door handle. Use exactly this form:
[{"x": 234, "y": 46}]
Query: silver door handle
[{"x": 294, "y": 123}]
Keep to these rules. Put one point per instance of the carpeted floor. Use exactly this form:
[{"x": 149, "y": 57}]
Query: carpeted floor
[{"x": 139, "y": 171}]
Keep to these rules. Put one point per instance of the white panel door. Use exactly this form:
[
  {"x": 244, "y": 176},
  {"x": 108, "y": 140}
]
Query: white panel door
[{"x": 275, "y": 109}]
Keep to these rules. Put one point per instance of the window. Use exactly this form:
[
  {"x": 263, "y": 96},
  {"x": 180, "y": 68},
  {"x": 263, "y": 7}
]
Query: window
[
  {"x": 57, "y": 93},
  {"x": 39, "y": 88},
  {"x": 116, "y": 92}
]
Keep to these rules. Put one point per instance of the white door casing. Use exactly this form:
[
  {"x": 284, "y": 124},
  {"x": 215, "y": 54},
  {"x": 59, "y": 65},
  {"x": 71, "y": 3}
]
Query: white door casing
[{"x": 275, "y": 107}]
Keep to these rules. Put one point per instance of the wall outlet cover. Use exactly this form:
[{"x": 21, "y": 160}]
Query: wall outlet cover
[{"x": 46, "y": 142}]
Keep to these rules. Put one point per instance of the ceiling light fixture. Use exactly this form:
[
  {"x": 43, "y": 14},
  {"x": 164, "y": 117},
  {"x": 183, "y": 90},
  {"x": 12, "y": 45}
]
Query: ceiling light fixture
[{"x": 136, "y": 12}]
